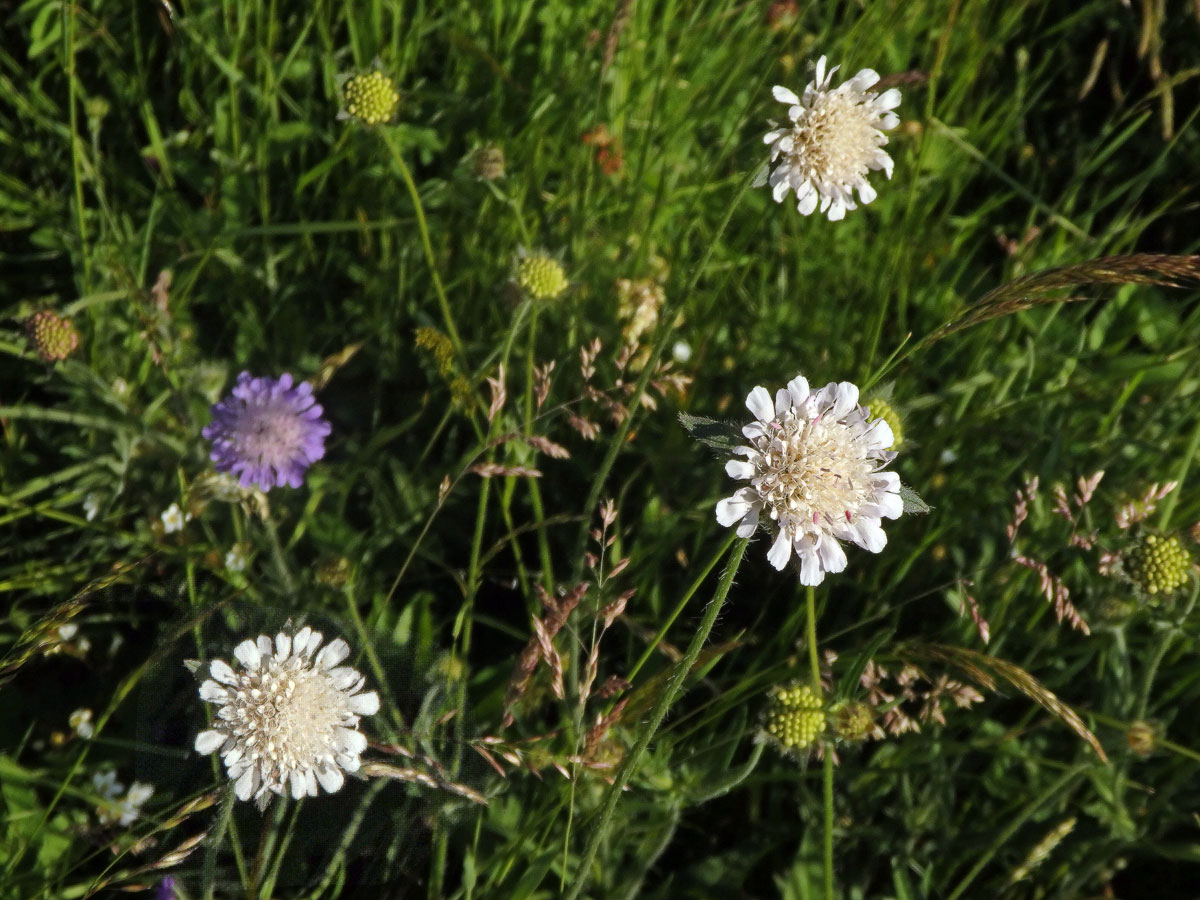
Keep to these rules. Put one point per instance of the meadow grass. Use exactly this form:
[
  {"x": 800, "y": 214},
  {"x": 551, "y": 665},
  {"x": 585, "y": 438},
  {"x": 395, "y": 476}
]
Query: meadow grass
[{"x": 501, "y": 466}]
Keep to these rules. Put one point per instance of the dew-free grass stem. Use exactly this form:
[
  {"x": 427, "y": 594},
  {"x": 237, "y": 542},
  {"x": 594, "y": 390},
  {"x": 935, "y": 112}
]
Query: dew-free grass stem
[
  {"x": 810, "y": 608},
  {"x": 631, "y": 761}
]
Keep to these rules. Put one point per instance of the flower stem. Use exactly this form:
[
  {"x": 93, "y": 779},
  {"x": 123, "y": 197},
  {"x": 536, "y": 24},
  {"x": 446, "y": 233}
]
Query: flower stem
[
  {"x": 827, "y": 779},
  {"x": 423, "y": 229},
  {"x": 630, "y": 763}
]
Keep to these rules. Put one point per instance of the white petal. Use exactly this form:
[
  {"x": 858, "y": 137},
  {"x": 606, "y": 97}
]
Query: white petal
[
  {"x": 246, "y": 784},
  {"x": 213, "y": 692},
  {"x": 780, "y": 188},
  {"x": 349, "y": 763},
  {"x": 889, "y": 99},
  {"x": 878, "y": 435},
  {"x": 233, "y": 757},
  {"x": 299, "y": 786},
  {"x": 837, "y": 211},
  {"x": 759, "y": 403},
  {"x": 798, "y": 388},
  {"x": 783, "y": 402},
  {"x": 753, "y": 430},
  {"x": 353, "y": 742},
  {"x": 886, "y": 481},
  {"x": 300, "y": 639},
  {"x": 738, "y": 468},
  {"x": 283, "y": 646},
  {"x": 731, "y": 509},
  {"x": 265, "y": 647},
  {"x": 248, "y": 655},
  {"x": 819, "y": 75},
  {"x": 868, "y": 534},
  {"x": 783, "y": 95},
  {"x": 781, "y": 550},
  {"x": 342, "y": 677},
  {"x": 864, "y": 79},
  {"x": 866, "y": 193},
  {"x": 808, "y": 202},
  {"x": 314, "y": 641},
  {"x": 830, "y": 554},
  {"x": 209, "y": 741},
  {"x": 811, "y": 573},
  {"x": 331, "y": 778},
  {"x": 888, "y": 506},
  {"x": 335, "y": 651},
  {"x": 220, "y": 670},
  {"x": 749, "y": 522},
  {"x": 364, "y": 704},
  {"x": 310, "y": 782},
  {"x": 845, "y": 398}
]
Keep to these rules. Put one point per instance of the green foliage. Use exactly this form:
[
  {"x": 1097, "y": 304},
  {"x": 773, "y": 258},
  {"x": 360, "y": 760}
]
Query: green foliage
[{"x": 179, "y": 186}]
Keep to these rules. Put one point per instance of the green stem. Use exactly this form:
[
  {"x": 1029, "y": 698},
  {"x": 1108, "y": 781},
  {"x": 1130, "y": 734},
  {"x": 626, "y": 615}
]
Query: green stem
[
  {"x": 630, "y": 763},
  {"x": 423, "y": 228},
  {"x": 810, "y": 604}
]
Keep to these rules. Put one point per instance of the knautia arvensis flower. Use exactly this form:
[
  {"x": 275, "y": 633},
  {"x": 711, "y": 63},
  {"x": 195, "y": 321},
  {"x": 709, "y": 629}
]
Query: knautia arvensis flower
[
  {"x": 287, "y": 719},
  {"x": 51, "y": 336},
  {"x": 370, "y": 97},
  {"x": 835, "y": 138},
  {"x": 540, "y": 275},
  {"x": 814, "y": 466},
  {"x": 795, "y": 716},
  {"x": 268, "y": 431}
]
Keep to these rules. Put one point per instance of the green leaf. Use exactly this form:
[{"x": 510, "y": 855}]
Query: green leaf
[
  {"x": 912, "y": 501},
  {"x": 720, "y": 436}
]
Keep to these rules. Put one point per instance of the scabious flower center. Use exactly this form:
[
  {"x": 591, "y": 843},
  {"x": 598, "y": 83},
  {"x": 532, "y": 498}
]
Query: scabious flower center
[
  {"x": 812, "y": 468},
  {"x": 287, "y": 714},
  {"x": 834, "y": 140},
  {"x": 270, "y": 435}
]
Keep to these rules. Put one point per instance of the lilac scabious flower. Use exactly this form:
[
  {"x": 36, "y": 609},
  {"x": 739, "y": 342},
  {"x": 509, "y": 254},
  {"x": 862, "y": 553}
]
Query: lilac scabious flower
[{"x": 267, "y": 432}]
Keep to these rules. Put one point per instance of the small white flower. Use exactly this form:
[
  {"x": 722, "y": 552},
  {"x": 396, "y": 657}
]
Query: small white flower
[
  {"x": 173, "y": 519},
  {"x": 81, "y": 723},
  {"x": 834, "y": 140},
  {"x": 91, "y": 506},
  {"x": 681, "y": 352},
  {"x": 235, "y": 559},
  {"x": 115, "y": 809},
  {"x": 814, "y": 466},
  {"x": 288, "y": 720},
  {"x": 68, "y": 631}
]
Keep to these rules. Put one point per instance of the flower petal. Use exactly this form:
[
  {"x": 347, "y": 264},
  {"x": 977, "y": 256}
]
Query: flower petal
[
  {"x": 209, "y": 742},
  {"x": 785, "y": 95},
  {"x": 781, "y": 550},
  {"x": 759, "y": 403}
]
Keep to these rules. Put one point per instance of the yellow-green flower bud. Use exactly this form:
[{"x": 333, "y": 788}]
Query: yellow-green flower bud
[
  {"x": 488, "y": 162},
  {"x": 1158, "y": 565},
  {"x": 541, "y": 277},
  {"x": 1142, "y": 737},
  {"x": 795, "y": 716},
  {"x": 51, "y": 336},
  {"x": 853, "y": 720},
  {"x": 371, "y": 98}
]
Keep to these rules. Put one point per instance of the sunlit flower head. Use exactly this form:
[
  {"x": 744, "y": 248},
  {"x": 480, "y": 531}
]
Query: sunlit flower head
[
  {"x": 814, "y": 468},
  {"x": 51, "y": 336},
  {"x": 540, "y": 275},
  {"x": 371, "y": 97},
  {"x": 268, "y": 431},
  {"x": 288, "y": 718},
  {"x": 835, "y": 138}
]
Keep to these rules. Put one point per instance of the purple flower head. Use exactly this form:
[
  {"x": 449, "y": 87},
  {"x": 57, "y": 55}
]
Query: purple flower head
[
  {"x": 166, "y": 889},
  {"x": 267, "y": 431}
]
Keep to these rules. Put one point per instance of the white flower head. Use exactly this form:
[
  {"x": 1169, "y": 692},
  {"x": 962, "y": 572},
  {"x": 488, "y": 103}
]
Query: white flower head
[
  {"x": 835, "y": 138},
  {"x": 173, "y": 519},
  {"x": 117, "y": 810},
  {"x": 236, "y": 558},
  {"x": 814, "y": 467},
  {"x": 288, "y": 719}
]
